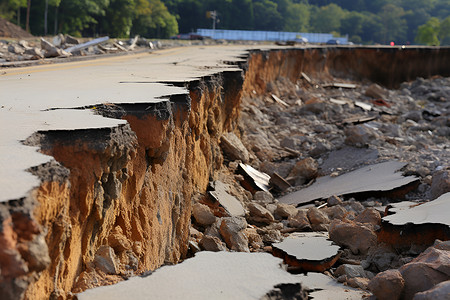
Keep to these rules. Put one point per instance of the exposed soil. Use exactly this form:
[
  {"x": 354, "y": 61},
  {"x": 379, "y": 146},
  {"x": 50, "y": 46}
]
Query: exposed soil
[{"x": 10, "y": 30}]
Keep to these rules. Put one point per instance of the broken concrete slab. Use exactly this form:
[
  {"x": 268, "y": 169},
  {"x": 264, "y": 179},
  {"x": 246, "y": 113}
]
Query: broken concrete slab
[
  {"x": 87, "y": 44},
  {"x": 233, "y": 147},
  {"x": 341, "y": 85},
  {"x": 254, "y": 180},
  {"x": 348, "y": 158},
  {"x": 374, "y": 178},
  {"x": 232, "y": 205},
  {"x": 209, "y": 275},
  {"x": 419, "y": 224},
  {"x": 309, "y": 251},
  {"x": 323, "y": 287}
]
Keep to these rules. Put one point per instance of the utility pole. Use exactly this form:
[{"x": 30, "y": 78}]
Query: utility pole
[{"x": 213, "y": 15}]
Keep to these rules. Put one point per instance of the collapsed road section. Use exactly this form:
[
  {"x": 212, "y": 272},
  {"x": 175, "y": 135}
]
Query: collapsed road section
[{"x": 115, "y": 167}]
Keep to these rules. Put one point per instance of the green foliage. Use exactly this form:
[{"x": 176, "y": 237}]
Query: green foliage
[
  {"x": 364, "y": 21},
  {"x": 297, "y": 17},
  {"x": 328, "y": 18},
  {"x": 428, "y": 33},
  {"x": 444, "y": 32}
]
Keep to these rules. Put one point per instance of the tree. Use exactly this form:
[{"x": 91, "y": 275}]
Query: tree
[
  {"x": 328, "y": 18},
  {"x": 444, "y": 32},
  {"x": 154, "y": 20},
  {"x": 428, "y": 33},
  {"x": 267, "y": 16},
  {"x": 393, "y": 25},
  {"x": 297, "y": 17},
  {"x": 80, "y": 15},
  {"x": 352, "y": 24}
]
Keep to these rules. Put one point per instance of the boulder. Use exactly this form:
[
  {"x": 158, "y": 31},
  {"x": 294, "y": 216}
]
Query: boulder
[
  {"x": 232, "y": 231},
  {"x": 202, "y": 214},
  {"x": 359, "y": 135},
  {"x": 351, "y": 271},
  {"x": 358, "y": 282},
  {"x": 353, "y": 235},
  {"x": 439, "y": 291},
  {"x": 376, "y": 92},
  {"x": 285, "y": 210},
  {"x": 263, "y": 197},
  {"x": 106, "y": 260},
  {"x": 333, "y": 200},
  {"x": 233, "y": 147},
  {"x": 336, "y": 212},
  {"x": 369, "y": 216},
  {"x": 317, "y": 217},
  {"x": 440, "y": 183},
  {"x": 212, "y": 243},
  {"x": 304, "y": 170},
  {"x": 259, "y": 214},
  {"x": 387, "y": 285},
  {"x": 425, "y": 271},
  {"x": 300, "y": 220}
]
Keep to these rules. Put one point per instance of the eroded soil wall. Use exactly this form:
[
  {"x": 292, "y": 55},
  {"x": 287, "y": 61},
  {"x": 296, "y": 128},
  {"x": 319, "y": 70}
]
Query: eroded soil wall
[{"x": 127, "y": 191}]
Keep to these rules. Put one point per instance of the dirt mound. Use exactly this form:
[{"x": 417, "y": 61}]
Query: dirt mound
[{"x": 9, "y": 30}]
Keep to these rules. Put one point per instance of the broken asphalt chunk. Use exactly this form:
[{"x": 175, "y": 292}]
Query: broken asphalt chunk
[
  {"x": 382, "y": 177},
  {"x": 254, "y": 180},
  {"x": 232, "y": 205},
  {"x": 417, "y": 224},
  {"x": 310, "y": 251},
  {"x": 208, "y": 275}
]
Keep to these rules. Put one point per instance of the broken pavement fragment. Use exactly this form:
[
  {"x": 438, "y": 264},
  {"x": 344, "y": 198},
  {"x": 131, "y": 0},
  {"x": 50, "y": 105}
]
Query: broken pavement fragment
[
  {"x": 254, "y": 180},
  {"x": 209, "y": 275},
  {"x": 307, "y": 251},
  {"x": 232, "y": 205},
  {"x": 419, "y": 224},
  {"x": 323, "y": 287},
  {"x": 233, "y": 147},
  {"x": 381, "y": 177}
]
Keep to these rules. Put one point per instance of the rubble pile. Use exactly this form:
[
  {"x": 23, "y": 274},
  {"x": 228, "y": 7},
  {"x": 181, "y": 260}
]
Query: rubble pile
[
  {"x": 299, "y": 132},
  {"x": 63, "y": 46}
]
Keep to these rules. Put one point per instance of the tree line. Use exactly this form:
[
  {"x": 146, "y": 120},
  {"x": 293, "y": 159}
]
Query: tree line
[{"x": 364, "y": 21}]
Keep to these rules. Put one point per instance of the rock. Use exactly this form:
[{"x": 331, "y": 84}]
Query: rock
[
  {"x": 337, "y": 212},
  {"x": 376, "y": 92},
  {"x": 16, "y": 49},
  {"x": 333, "y": 200},
  {"x": 51, "y": 50},
  {"x": 263, "y": 197},
  {"x": 71, "y": 40},
  {"x": 233, "y": 147},
  {"x": 35, "y": 52},
  {"x": 316, "y": 217},
  {"x": 304, "y": 170},
  {"x": 214, "y": 229},
  {"x": 440, "y": 183},
  {"x": 270, "y": 235},
  {"x": 387, "y": 285},
  {"x": 370, "y": 216},
  {"x": 381, "y": 259},
  {"x": 118, "y": 241},
  {"x": 212, "y": 243},
  {"x": 285, "y": 210},
  {"x": 352, "y": 235},
  {"x": 350, "y": 271},
  {"x": 254, "y": 239},
  {"x": 358, "y": 282},
  {"x": 259, "y": 214},
  {"x": 300, "y": 220},
  {"x": 359, "y": 135},
  {"x": 202, "y": 214},
  {"x": 425, "y": 271},
  {"x": 105, "y": 260},
  {"x": 439, "y": 291},
  {"x": 232, "y": 231}
]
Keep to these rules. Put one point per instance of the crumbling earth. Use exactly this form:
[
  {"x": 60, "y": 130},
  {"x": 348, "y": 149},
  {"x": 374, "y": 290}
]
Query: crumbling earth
[{"x": 297, "y": 132}]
